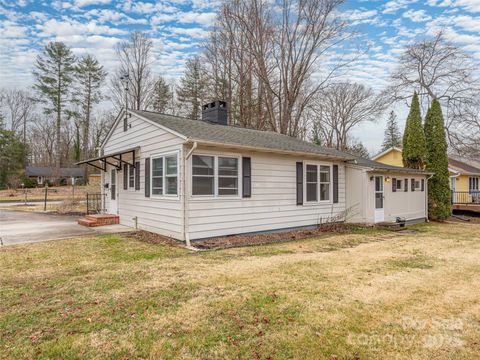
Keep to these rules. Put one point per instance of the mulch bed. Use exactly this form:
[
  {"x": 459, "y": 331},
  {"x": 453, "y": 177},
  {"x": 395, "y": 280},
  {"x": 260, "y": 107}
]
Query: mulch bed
[
  {"x": 224, "y": 242},
  {"x": 152, "y": 238}
]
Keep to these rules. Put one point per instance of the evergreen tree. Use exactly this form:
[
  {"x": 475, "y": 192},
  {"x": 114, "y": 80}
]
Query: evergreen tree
[
  {"x": 54, "y": 71},
  {"x": 193, "y": 88},
  {"x": 90, "y": 78},
  {"x": 437, "y": 162},
  {"x": 392, "y": 137},
  {"x": 12, "y": 156},
  {"x": 414, "y": 147},
  {"x": 162, "y": 95}
]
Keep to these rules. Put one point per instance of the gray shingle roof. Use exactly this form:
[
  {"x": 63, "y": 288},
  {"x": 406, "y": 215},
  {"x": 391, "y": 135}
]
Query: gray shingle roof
[
  {"x": 233, "y": 135},
  {"x": 465, "y": 165},
  {"x": 51, "y": 171}
]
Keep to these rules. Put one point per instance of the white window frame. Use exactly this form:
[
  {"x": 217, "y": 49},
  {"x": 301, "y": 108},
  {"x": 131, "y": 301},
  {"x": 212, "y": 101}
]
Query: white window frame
[
  {"x": 215, "y": 176},
  {"x": 330, "y": 193},
  {"x": 473, "y": 184},
  {"x": 164, "y": 173}
]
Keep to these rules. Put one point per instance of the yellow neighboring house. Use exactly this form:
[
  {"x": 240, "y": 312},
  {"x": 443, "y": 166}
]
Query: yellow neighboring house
[{"x": 464, "y": 174}]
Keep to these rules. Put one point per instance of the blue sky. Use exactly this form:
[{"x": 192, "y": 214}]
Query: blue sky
[{"x": 178, "y": 26}]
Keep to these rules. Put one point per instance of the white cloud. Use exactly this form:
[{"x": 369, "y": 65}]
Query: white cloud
[
  {"x": 393, "y": 6},
  {"x": 54, "y": 27},
  {"x": 416, "y": 15},
  {"x": 82, "y": 3},
  {"x": 470, "y": 5}
]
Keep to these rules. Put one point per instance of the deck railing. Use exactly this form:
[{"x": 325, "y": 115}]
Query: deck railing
[
  {"x": 94, "y": 203},
  {"x": 466, "y": 197}
]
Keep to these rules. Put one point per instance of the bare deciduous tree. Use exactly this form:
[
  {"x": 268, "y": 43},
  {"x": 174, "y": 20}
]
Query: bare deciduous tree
[
  {"x": 266, "y": 52},
  {"x": 339, "y": 108},
  {"x": 436, "y": 68},
  {"x": 135, "y": 56},
  {"x": 18, "y": 108}
]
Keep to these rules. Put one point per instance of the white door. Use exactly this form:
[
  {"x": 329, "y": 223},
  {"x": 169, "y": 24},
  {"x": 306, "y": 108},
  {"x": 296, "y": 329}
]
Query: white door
[
  {"x": 113, "y": 192},
  {"x": 379, "y": 198}
]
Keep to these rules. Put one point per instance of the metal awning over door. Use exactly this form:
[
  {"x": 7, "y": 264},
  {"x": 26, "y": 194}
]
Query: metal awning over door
[{"x": 114, "y": 159}]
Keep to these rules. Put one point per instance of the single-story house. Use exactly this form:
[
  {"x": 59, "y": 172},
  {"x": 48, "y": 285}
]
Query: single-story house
[
  {"x": 193, "y": 179},
  {"x": 464, "y": 174},
  {"x": 52, "y": 174}
]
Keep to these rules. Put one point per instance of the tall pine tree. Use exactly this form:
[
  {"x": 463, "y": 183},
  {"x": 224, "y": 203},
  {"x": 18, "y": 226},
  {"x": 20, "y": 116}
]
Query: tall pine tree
[
  {"x": 439, "y": 207},
  {"x": 393, "y": 136},
  {"x": 89, "y": 81},
  {"x": 54, "y": 72},
  {"x": 161, "y": 96},
  {"x": 192, "y": 92},
  {"x": 414, "y": 147}
]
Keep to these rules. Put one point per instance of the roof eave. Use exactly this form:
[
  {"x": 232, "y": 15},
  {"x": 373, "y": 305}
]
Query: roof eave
[{"x": 268, "y": 150}]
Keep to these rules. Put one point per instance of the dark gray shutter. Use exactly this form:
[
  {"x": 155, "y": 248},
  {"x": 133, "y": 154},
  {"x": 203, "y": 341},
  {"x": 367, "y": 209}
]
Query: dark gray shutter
[
  {"x": 413, "y": 184},
  {"x": 137, "y": 175},
  {"x": 299, "y": 183},
  {"x": 125, "y": 123},
  {"x": 246, "y": 177},
  {"x": 405, "y": 185},
  {"x": 125, "y": 176},
  {"x": 394, "y": 185},
  {"x": 423, "y": 184},
  {"x": 335, "y": 184},
  {"x": 147, "y": 177}
]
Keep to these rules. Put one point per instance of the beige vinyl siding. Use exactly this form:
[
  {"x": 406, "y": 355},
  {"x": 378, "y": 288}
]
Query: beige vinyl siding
[
  {"x": 409, "y": 205},
  {"x": 272, "y": 204},
  {"x": 356, "y": 197},
  {"x": 361, "y": 192},
  {"x": 162, "y": 215}
]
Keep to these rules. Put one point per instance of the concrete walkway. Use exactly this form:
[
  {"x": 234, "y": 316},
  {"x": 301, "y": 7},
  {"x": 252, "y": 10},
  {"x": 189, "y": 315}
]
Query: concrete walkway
[{"x": 18, "y": 227}]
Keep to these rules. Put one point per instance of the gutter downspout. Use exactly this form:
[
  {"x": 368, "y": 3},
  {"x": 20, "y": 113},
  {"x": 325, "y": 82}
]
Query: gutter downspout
[
  {"x": 185, "y": 192},
  {"x": 426, "y": 198}
]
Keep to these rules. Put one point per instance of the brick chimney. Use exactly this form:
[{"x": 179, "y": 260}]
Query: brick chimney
[{"x": 215, "y": 112}]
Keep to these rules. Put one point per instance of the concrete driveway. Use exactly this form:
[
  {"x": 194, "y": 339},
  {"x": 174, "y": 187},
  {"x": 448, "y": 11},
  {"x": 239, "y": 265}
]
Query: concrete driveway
[{"x": 17, "y": 227}]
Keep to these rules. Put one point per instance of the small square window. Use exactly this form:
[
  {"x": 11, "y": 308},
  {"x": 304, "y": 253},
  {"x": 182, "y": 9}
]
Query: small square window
[{"x": 399, "y": 184}]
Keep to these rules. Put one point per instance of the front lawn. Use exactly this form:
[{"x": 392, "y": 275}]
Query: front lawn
[{"x": 370, "y": 294}]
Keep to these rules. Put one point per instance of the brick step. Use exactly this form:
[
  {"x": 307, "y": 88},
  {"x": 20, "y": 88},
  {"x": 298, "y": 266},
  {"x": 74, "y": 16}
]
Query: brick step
[
  {"x": 101, "y": 216},
  {"x": 86, "y": 222},
  {"x": 99, "y": 220}
]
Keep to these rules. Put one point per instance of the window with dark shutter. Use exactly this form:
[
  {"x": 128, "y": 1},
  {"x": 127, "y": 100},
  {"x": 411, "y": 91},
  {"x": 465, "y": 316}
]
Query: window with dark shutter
[
  {"x": 299, "y": 183},
  {"x": 125, "y": 176},
  {"x": 423, "y": 184},
  {"x": 246, "y": 177},
  {"x": 335, "y": 183},
  {"x": 413, "y": 184},
  {"x": 394, "y": 185},
  {"x": 137, "y": 175},
  {"x": 406, "y": 185},
  {"x": 147, "y": 177}
]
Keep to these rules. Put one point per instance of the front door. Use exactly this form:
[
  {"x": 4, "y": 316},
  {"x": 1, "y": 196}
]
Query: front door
[
  {"x": 379, "y": 197},
  {"x": 113, "y": 192}
]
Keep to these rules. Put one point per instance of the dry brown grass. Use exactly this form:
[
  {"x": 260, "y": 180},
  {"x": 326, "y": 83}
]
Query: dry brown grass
[
  {"x": 364, "y": 295},
  {"x": 54, "y": 193}
]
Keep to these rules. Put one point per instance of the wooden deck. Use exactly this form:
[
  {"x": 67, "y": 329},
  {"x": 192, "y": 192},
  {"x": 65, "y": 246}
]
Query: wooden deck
[{"x": 467, "y": 207}]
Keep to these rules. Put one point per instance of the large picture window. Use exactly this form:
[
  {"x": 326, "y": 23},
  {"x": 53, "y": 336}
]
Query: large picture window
[
  {"x": 317, "y": 182},
  {"x": 164, "y": 175},
  {"x": 215, "y": 175}
]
